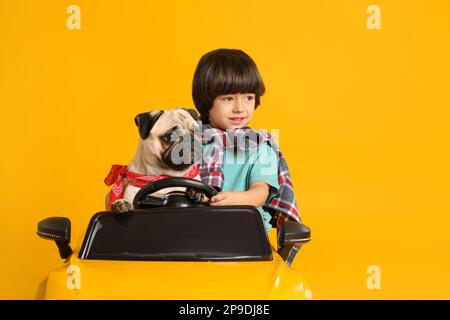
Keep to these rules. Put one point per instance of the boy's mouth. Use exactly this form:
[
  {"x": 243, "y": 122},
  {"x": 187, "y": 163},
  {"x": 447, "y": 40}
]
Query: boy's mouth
[{"x": 237, "y": 120}]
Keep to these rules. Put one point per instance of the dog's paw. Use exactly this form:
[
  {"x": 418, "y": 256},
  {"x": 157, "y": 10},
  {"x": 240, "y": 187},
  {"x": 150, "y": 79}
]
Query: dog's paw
[
  {"x": 121, "y": 206},
  {"x": 196, "y": 196}
]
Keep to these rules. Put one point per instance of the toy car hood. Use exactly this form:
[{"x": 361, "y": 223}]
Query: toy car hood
[{"x": 92, "y": 279}]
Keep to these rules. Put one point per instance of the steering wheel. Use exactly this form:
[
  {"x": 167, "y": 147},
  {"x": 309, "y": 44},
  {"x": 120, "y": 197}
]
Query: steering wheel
[{"x": 174, "y": 198}]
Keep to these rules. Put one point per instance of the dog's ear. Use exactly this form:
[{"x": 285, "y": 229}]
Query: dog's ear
[
  {"x": 192, "y": 112},
  {"x": 145, "y": 122}
]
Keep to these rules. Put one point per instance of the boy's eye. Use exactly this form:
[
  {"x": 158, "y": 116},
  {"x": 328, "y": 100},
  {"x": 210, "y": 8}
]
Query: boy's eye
[
  {"x": 228, "y": 98},
  {"x": 250, "y": 98}
]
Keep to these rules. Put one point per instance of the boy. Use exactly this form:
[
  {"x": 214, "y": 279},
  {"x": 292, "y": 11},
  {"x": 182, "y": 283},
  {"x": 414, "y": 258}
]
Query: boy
[{"x": 226, "y": 90}]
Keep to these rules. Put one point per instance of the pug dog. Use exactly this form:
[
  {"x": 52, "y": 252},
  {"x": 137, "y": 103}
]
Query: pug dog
[{"x": 155, "y": 152}]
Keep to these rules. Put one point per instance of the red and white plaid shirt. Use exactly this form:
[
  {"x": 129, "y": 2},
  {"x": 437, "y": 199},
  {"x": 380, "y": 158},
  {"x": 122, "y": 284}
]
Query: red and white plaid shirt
[{"x": 284, "y": 205}]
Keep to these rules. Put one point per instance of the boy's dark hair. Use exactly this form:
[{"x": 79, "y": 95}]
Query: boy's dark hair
[{"x": 224, "y": 71}]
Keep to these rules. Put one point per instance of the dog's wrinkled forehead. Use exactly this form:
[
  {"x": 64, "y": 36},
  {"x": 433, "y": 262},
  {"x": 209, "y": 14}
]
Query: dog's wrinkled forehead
[
  {"x": 173, "y": 119},
  {"x": 157, "y": 122}
]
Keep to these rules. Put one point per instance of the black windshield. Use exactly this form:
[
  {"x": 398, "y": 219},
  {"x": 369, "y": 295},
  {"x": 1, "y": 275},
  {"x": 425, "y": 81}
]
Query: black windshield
[{"x": 178, "y": 234}]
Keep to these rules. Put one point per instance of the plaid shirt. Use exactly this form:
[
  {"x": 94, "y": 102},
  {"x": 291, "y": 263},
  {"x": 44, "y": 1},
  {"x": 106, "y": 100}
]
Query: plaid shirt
[{"x": 283, "y": 206}]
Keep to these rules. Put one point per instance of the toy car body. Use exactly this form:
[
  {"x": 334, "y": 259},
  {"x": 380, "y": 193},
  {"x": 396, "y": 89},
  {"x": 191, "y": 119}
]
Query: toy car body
[{"x": 176, "y": 252}]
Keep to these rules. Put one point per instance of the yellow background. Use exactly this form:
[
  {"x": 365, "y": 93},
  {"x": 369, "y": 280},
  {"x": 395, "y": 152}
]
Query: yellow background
[{"x": 363, "y": 118}]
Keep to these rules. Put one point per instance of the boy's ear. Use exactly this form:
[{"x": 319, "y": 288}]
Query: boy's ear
[
  {"x": 145, "y": 122},
  {"x": 192, "y": 112}
]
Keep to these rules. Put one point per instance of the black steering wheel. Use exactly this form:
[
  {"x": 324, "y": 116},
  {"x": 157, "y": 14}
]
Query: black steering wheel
[{"x": 174, "y": 198}]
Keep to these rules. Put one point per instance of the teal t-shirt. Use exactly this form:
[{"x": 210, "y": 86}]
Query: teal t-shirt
[{"x": 241, "y": 168}]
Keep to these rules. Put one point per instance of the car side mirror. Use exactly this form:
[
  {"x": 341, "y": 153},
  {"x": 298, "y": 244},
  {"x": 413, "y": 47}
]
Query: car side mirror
[
  {"x": 291, "y": 238},
  {"x": 57, "y": 229},
  {"x": 294, "y": 232}
]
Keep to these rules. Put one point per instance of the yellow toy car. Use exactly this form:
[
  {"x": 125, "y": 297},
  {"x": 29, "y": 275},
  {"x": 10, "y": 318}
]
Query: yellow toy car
[{"x": 172, "y": 248}]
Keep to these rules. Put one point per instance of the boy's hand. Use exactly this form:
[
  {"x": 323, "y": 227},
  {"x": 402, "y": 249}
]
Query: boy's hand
[
  {"x": 229, "y": 198},
  {"x": 256, "y": 196}
]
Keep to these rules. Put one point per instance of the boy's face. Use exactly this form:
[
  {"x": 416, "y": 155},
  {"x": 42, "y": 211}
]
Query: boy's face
[{"x": 232, "y": 111}]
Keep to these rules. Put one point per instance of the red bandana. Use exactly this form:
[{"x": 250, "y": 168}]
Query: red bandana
[{"x": 118, "y": 174}]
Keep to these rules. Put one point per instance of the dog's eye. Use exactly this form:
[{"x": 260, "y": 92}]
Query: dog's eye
[{"x": 167, "y": 137}]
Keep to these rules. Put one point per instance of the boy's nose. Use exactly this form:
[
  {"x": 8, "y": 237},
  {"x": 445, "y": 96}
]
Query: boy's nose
[{"x": 238, "y": 108}]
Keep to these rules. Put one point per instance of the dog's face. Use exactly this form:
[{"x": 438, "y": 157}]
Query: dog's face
[{"x": 167, "y": 138}]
